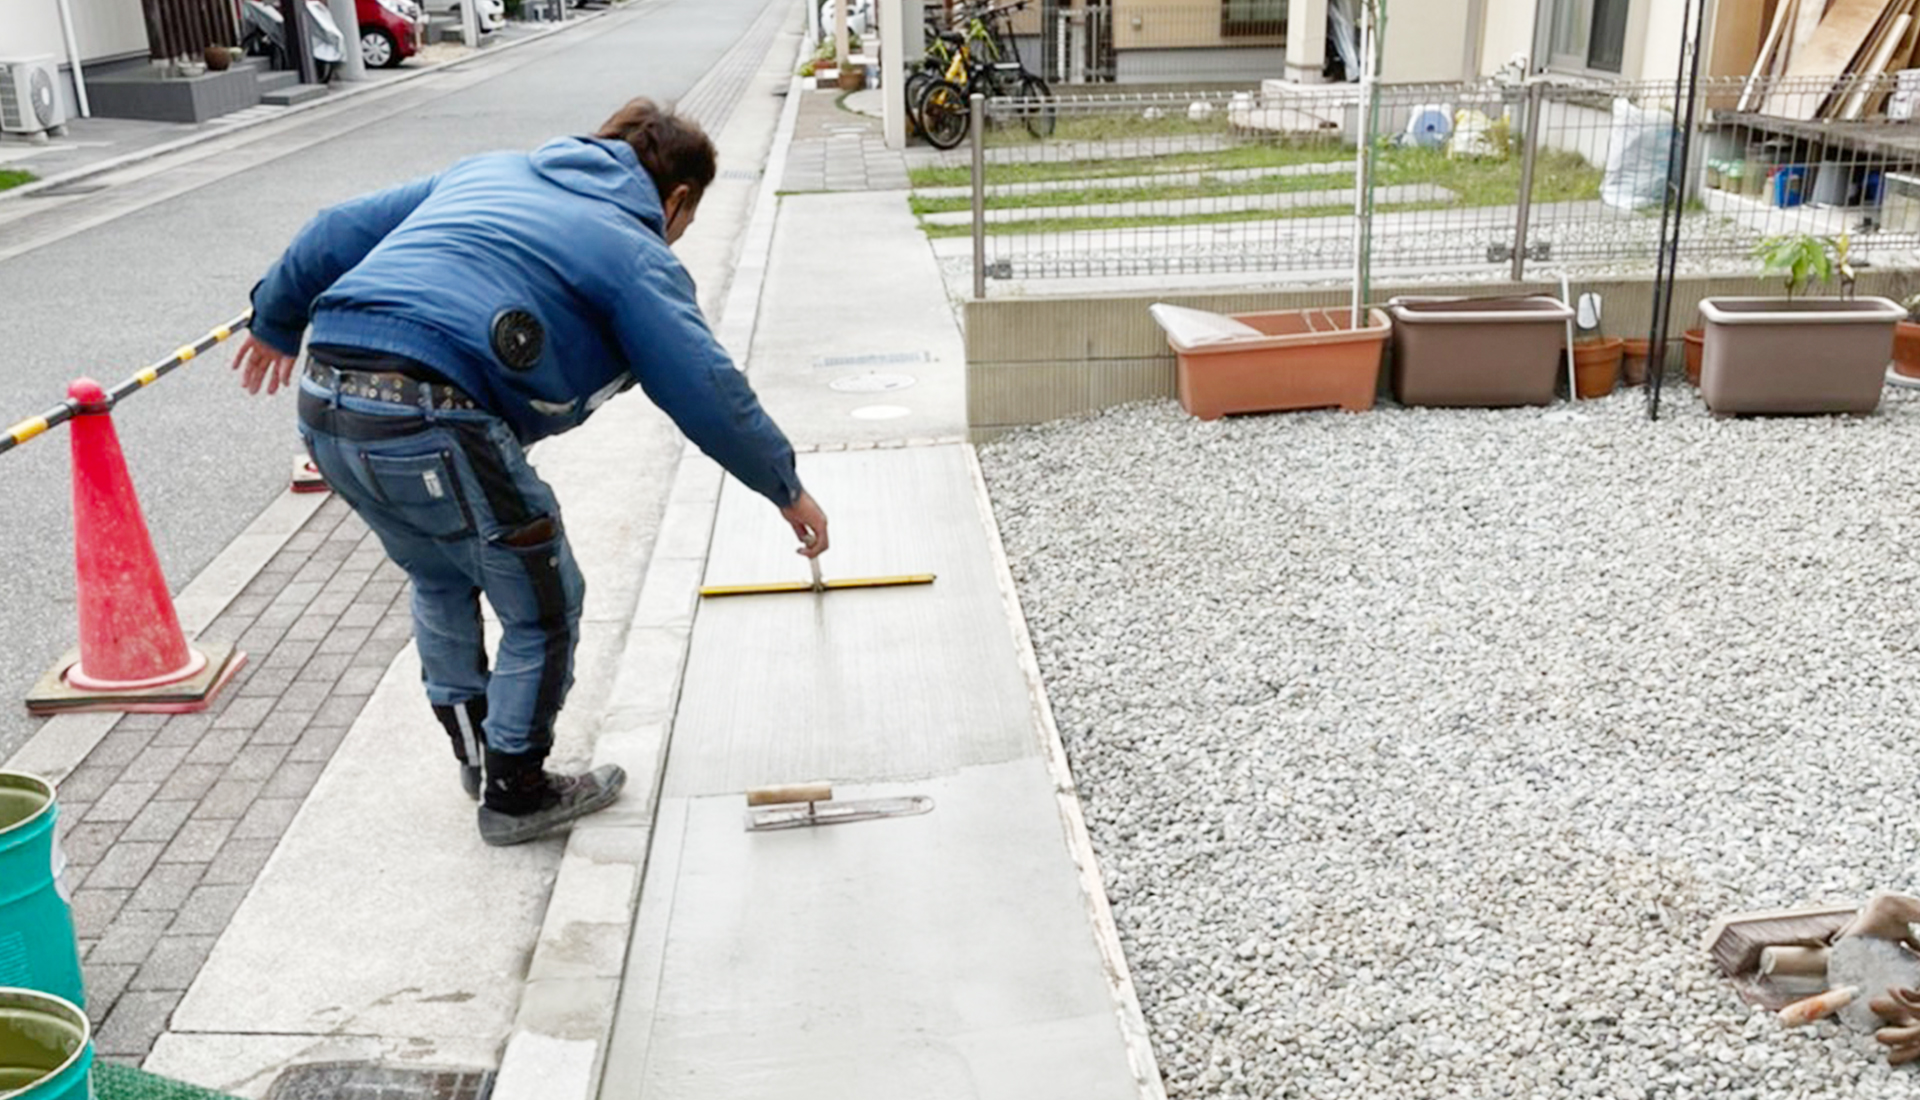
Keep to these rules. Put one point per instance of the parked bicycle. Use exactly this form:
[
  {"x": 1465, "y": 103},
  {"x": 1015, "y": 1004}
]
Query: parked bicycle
[{"x": 985, "y": 59}]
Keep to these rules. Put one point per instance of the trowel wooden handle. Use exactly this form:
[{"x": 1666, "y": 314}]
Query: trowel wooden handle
[{"x": 793, "y": 792}]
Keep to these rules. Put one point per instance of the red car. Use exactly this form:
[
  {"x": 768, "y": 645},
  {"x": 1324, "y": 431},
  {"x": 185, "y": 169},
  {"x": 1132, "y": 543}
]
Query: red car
[{"x": 390, "y": 31}]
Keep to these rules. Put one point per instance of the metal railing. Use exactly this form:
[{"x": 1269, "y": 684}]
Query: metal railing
[
  {"x": 1489, "y": 180},
  {"x": 185, "y": 28}
]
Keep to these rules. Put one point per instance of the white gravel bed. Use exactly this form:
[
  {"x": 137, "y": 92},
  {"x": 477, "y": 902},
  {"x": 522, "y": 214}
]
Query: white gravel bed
[{"x": 1420, "y": 748}]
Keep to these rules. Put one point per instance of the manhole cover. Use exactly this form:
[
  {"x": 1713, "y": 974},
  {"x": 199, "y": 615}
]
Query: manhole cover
[
  {"x": 881, "y": 412},
  {"x": 871, "y": 382},
  {"x": 364, "y": 1081},
  {"x": 881, "y": 359}
]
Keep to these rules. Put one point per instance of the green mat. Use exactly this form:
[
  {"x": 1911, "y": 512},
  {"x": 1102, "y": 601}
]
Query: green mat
[{"x": 112, "y": 1081}]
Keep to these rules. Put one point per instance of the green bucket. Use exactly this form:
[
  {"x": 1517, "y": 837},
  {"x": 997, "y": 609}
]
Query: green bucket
[
  {"x": 37, "y": 948},
  {"x": 46, "y": 1048}
]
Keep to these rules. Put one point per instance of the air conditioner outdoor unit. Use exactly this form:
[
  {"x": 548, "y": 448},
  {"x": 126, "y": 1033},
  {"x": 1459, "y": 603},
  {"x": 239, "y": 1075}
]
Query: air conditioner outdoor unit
[{"x": 29, "y": 101}]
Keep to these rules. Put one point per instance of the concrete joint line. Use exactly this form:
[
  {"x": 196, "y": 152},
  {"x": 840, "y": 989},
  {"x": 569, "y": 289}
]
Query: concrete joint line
[{"x": 1132, "y": 1022}]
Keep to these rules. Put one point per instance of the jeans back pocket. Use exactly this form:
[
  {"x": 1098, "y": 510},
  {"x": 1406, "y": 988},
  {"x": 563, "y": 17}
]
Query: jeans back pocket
[{"x": 424, "y": 489}]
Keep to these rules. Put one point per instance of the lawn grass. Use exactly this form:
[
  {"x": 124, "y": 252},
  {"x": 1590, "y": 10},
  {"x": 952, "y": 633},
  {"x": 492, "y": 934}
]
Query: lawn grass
[
  {"x": 1250, "y": 155},
  {"x": 13, "y": 177},
  {"x": 1558, "y": 177},
  {"x": 1077, "y": 225},
  {"x": 1090, "y": 196}
]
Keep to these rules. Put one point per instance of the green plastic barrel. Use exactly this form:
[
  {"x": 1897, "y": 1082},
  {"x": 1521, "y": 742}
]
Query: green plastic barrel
[
  {"x": 37, "y": 948},
  {"x": 46, "y": 1048}
]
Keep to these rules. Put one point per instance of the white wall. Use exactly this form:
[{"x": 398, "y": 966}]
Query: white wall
[
  {"x": 1427, "y": 40},
  {"x": 103, "y": 28},
  {"x": 1508, "y": 30}
]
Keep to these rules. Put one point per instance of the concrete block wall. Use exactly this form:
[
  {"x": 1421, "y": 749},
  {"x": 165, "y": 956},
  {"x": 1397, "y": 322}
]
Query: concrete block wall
[{"x": 1031, "y": 360}]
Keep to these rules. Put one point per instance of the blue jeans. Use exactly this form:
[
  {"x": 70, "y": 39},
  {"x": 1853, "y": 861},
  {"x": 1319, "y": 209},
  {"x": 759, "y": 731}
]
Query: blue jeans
[{"x": 453, "y": 500}]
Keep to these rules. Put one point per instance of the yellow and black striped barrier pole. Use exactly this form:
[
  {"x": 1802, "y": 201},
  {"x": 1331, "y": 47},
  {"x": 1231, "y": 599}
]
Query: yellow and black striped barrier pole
[{"x": 68, "y": 409}]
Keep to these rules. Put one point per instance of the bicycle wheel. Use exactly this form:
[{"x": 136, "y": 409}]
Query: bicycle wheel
[
  {"x": 944, "y": 115},
  {"x": 1036, "y": 106},
  {"x": 917, "y": 83}
]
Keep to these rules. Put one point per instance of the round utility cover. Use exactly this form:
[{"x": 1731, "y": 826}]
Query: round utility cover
[
  {"x": 871, "y": 382},
  {"x": 881, "y": 412}
]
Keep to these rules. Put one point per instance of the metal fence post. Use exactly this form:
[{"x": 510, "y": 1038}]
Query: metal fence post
[
  {"x": 1528, "y": 156},
  {"x": 977, "y": 108}
]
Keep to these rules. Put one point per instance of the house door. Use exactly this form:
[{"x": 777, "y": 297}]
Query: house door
[{"x": 1587, "y": 34}]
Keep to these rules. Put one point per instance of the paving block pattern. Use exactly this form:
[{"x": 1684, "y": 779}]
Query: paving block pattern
[
  {"x": 835, "y": 149},
  {"x": 171, "y": 817}
]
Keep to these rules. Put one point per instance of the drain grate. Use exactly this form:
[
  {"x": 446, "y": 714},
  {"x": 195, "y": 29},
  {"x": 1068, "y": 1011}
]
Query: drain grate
[
  {"x": 745, "y": 174},
  {"x": 370, "y": 1081},
  {"x": 881, "y": 359}
]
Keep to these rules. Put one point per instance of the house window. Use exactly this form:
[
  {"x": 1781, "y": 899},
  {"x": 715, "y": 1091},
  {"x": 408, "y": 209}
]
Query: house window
[
  {"x": 1588, "y": 34},
  {"x": 1253, "y": 17}
]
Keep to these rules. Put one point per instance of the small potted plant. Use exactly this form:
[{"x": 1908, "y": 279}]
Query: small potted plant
[
  {"x": 1596, "y": 365},
  {"x": 1906, "y": 340},
  {"x": 1798, "y": 354}
]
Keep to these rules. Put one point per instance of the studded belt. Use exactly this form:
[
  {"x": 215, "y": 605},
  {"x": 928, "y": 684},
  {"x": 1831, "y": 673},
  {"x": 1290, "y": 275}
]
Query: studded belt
[{"x": 390, "y": 387}]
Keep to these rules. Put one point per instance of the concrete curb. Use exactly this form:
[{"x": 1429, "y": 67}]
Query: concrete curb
[
  {"x": 558, "y": 1048},
  {"x": 332, "y": 99},
  {"x": 1132, "y": 1022}
]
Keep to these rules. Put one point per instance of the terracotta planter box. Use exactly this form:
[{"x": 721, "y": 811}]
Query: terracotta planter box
[
  {"x": 1296, "y": 359},
  {"x": 1481, "y": 352},
  {"x": 1810, "y": 355}
]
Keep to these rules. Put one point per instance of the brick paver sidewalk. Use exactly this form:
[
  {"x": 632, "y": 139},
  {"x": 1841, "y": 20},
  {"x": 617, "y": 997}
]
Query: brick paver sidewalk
[{"x": 170, "y": 818}]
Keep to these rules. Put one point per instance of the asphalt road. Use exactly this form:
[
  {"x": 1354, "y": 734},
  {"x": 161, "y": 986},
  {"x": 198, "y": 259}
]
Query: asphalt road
[{"x": 206, "y": 458}]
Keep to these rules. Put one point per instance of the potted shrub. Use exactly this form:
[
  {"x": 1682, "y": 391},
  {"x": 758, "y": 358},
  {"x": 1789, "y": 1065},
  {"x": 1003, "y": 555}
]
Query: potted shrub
[{"x": 1798, "y": 354}]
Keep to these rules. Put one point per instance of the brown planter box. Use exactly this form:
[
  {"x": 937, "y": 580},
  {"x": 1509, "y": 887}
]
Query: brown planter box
[
  {"x": 1811, "y": 355},
  {"x": 1308, "y": 359},
  {"x": 1482, "y": 352}
]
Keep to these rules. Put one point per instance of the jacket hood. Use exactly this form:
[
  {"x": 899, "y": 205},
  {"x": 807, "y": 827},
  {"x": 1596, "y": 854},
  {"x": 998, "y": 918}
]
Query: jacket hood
[{"x": 602, "y": 169}]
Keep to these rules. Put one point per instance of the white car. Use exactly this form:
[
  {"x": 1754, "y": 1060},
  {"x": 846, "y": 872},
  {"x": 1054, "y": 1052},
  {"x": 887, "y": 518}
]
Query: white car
[{"x": 492, "y": 13}]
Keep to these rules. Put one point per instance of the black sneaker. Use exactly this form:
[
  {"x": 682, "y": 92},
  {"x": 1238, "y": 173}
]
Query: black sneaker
[
  {"x": 523, "y": 802},
  {"x": 464, "y": 728}
]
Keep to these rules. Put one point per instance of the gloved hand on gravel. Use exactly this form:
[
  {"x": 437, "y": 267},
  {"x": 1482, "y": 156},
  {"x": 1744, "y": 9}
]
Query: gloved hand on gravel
[{"x": 1900, "y": 1008}]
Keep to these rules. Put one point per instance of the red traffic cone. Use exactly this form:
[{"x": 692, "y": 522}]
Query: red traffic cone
[{"x": 133, "y": 655}]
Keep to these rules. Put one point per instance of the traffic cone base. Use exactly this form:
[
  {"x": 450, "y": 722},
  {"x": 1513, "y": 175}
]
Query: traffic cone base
[
  {"x": 307, "y": 477},
  {"x": 58, "y": 693},
  {"x": 196, "y": 661}
]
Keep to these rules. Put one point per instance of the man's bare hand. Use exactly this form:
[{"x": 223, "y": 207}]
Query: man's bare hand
[
  {"x": 809, "y": 525},
  {"x": 258, "y": 361},
  {"x": 1900, "y": 1008}
]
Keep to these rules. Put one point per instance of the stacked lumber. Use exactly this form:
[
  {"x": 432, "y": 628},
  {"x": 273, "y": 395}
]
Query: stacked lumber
[{"x": 1821, "y": 59}]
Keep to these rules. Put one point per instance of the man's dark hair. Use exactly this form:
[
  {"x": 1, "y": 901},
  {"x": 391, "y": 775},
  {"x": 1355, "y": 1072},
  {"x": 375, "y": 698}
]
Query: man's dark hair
[{"x": 672, "y": 149}]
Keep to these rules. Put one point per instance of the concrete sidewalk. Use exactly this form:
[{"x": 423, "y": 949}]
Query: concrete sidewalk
[{"x": 293, "y": 877}]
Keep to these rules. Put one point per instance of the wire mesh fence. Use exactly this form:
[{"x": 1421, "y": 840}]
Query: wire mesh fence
[{"x": 1493, "y": 180}]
